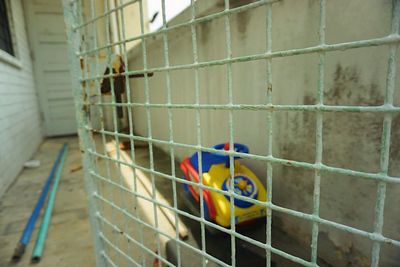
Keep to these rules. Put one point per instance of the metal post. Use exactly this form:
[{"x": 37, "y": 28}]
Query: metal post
[{"x": 71, "y": 17}]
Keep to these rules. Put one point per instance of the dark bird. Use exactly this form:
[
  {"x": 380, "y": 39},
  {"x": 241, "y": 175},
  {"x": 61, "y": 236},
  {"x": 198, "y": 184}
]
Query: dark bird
[{"x": 153, "y": 18}]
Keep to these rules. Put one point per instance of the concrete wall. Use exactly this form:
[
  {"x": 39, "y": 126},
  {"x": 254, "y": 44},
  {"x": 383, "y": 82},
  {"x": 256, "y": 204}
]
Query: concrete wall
[
  {"x": 20, "y": 123},
  {"x": 351, "y": 140}
]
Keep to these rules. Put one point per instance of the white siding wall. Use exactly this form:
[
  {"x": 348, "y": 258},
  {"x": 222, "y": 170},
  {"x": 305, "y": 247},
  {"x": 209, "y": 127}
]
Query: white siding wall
[{"x": 20, "y": 123}]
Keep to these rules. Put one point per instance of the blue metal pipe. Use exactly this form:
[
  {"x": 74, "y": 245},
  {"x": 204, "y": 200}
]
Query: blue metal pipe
[
  {"x": 44, "y": 226},
  {"x": 26, "y": 235}
]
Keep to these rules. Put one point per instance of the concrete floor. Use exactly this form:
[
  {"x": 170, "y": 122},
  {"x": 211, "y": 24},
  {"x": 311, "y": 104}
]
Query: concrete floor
[{"x": 69, "y": 241}]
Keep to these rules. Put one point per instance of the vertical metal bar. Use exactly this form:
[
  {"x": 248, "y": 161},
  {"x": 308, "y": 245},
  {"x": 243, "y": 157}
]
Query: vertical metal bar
[
  {"x": 269, "y": 131},
  {"x": 117, "y": 249},
  {"x": 108, "y": 260},
  {"x": 71, "y": 11},
  {"x": 318, "y": 134},
  {"x": 132, "y": 144},
  {"x": 96, "y": 70},
  {"x": 149, "y": 127},
  {"x": 119, "y": 14},
  {"x": 74, "y": 38},
  {"x": 170, "y": 126},
  {"x": 119, "y": 21},
  {"x": 116, "y": 122},
  {"x": 198, "y": 128},
  {"x": 100, "y": 102},
  {"x": 228, "y": 44},
  {"x": 386, "y": 133},
  {"x": 100, "y": 99}
]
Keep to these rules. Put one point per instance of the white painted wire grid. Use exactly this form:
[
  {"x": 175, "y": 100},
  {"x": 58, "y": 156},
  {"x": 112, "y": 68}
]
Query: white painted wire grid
[{"x": 81, "y": 49}]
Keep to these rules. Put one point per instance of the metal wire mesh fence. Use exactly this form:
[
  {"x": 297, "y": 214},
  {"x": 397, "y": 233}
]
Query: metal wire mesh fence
[{"x": 119, "y": 228}]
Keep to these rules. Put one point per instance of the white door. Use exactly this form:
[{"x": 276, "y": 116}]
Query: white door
[{"x": 45, "y": 24}]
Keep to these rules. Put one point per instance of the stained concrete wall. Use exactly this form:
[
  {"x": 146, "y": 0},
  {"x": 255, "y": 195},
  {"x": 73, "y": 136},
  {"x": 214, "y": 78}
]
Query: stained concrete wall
[
  {"x": 351, "y": 140},
  {"x": 20, "y": 122}
]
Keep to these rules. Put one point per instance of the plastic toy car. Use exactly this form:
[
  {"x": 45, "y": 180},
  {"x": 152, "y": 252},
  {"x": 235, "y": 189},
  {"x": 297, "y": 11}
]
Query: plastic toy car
[{"x": 216, "y": 174}]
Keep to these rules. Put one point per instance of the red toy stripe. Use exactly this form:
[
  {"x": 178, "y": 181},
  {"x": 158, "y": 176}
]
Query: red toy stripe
[{"x": 191, "y": 172}]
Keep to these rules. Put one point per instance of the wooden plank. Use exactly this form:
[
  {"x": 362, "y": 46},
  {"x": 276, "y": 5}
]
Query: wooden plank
[{"x": 146, "y": 187}]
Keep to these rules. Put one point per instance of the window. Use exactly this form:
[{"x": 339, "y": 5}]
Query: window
[{"x": 5, "y": 34}]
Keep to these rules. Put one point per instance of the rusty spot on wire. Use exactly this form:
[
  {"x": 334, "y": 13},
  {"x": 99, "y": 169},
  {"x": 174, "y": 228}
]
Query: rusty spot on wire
[{"x": 82, "y": 61}]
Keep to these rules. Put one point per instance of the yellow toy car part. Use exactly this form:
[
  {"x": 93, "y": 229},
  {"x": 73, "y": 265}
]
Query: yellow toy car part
[{"x": 216, "y": 174}]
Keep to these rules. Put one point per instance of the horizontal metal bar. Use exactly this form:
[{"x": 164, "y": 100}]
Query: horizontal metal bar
[
  {"x": 105, "y": 14},
  {"x": 272, "y": 159},
  {"x": 306, "y": 216},
  {"x": 283, "y": 53},
  {"x": 109, "y": 260},
  {"x": 191, "y": 22},
  {"x": 318, "y": 167},
  {"x": 226, "y": 230},
  {"x": 131, "y": 239},
  {"x": 216, "y": 226},
  {"x": 258, "y": 107},
  {"x": 172, "y": 178},
  {"x": 117, "y": 249},
  {"x": 158, "y": 231}
]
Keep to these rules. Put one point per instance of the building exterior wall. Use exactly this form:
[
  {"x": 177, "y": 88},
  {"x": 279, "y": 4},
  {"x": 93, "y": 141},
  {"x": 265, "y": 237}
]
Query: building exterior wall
[
  {"x": 20, "y": 122},
  {"x": 350, "y": 140}
]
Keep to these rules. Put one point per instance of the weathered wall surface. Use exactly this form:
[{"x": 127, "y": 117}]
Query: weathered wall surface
[
  {"x": 351, "y": 140},
  {"x": 20, "y": 124}
]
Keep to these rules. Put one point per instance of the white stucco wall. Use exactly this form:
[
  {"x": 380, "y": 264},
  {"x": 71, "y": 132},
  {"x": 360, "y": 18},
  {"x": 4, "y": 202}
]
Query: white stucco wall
[
  {"x": 351, "y": 140},
  {"x": 20, "y": 123}
]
